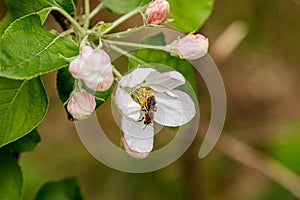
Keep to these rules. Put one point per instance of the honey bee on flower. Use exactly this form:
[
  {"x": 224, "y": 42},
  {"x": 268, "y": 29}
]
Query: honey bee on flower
[{"x": 145, "y": 96}]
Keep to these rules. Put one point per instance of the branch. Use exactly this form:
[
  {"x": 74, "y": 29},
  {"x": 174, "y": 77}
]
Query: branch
[{"x": 267, "y": 166}]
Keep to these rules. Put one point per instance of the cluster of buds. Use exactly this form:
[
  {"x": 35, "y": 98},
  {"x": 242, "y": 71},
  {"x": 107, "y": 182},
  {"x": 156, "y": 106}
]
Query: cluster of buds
[
  {"x": 157, "y": 12},
  {"x": 93, "y": 67},
  {"x": 190, "y": 47}
]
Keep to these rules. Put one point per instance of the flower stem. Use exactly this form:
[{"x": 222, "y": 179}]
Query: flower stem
[
  {"x": 245, "y": 154},
  {"x": 86, "y": 14},
  {"x": 117, "y": 49},
  {"x": 117, "y": 73},
  {"x": 71, "y": 19},
  {"x": 67, "y": 32},
  {"x": 122, "y": 19},
  {"x": 137, "y": 45},
  {"x": 124, "y": 33},
  {"x": 96, "y": 10}
]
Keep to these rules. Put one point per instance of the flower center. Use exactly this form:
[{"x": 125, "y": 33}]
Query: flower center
[{"x": 141, "y": 94}]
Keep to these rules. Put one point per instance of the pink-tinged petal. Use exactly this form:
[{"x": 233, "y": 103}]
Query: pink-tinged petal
[
  {"x": 81, "y": 105},
  {"x": 92, "y": 80},
  {"x": 138, "y": 138},
  {"x": 85, "y": 52},
  {"x": 127, "y": 105},
  {"x": 74, "y": 68},
  {"x": 98, "y": 61},
  {"x": 175, "y": 110},
  {"x": 135, "y": 77},
  {"x": 105, "y": 83},
  {"x": 133, "y": 153},
  {"x": 162, "y": 82},
  {"x": 190, "y": 47}
]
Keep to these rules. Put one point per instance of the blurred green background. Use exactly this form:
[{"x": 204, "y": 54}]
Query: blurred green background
[{"x": 262, "y": 78}]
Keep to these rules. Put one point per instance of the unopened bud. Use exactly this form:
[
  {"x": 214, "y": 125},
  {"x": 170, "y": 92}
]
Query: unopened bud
[
  {"x": 190, "y": 47},
  {"x": 81, "y": 105},
  {"x": 157, "y": 11},
  {"x": 105, "y": 83}
]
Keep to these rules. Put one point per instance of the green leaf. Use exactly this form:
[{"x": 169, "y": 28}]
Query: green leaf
[
  {"x": 26, "y": 143},
  {"x": 121, "y": 6},
  {"x": 164, "y": 58},
  {"x": 20, "y": 8},
  {"x": 189, "y": 15},
  {"x": 11, "y": 177},
  {"x": 23, "y": 105},
  {"x": 64, "y": 84},
  {"x": 27, "y": 50},
  {"x": 100, "y": 95},
  {"x": 66, "y": 189}
]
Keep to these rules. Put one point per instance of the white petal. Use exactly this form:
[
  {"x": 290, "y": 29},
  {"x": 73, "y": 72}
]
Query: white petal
[
  {"x": 133, "y": 153},
  {"x": 92, "y": 80},
  {"x": 135, "y": 77},
  {"x": 138, "y": 137},
  {"x": 162, "y": 82},
  {"x": 174, "y": 111},
  {"x": 128, "y": 106}
]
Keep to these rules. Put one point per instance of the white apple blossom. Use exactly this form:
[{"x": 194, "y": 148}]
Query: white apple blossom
[
  {"x": 172, "y": 107},
  {"x": 94, "y": 67}
]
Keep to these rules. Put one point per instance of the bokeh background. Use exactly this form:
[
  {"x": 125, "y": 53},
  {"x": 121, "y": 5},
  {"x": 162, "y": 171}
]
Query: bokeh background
[{"x": 261, "y": 139}]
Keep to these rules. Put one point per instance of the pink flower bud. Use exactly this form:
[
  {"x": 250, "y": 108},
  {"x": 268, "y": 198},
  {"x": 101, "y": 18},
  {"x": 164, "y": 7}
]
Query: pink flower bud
[
  {"x": 81, "y": 105},
  {"x": 133, "y": 153},
  {"x": 158, "y": 11},
  {"x": 92, "y": 66},
  {"x": 190, "y": 47},
  {"x": 74, "y": 68},
  {"x": 85, "y": 52},
  {"x": 105, "y": 83}
]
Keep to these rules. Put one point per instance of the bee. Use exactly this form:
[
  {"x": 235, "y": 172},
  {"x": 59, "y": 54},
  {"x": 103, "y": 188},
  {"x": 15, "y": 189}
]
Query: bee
[{"x": 149, "y": 109}]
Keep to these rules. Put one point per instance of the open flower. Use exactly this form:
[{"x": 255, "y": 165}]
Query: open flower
[
  {"x": 145, "y": 96},
  {"x": 94, "y": 67},
  {"x": 190, "y": 47},
  {"x": 81, "y": 105},
  {"x": 157, "y": 11}
]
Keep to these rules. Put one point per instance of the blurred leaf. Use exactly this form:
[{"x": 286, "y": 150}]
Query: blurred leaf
[
  {"x": 121, "y": 6},
  {"x": 27, "y": 50},
  {"x": 274, "y": 191},
  {"x": 164, "y": 58},
  {"x": 10, "y": 178},
  {"x": 20, "y": 8},
  {"x": 26, "y": 143},
  {"x": 66, "y": 189},
  {"x": 23, "y": 105},
  {"x": 189, "y": 15},
  {"x": 285, "y": 145}
]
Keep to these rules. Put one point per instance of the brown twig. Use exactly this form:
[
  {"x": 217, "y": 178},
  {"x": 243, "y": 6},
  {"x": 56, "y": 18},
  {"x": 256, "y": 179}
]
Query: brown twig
[{"x": 246, "y": 155}]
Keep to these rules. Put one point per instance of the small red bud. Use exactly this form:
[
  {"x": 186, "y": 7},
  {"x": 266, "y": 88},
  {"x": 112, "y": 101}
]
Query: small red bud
[{"x": 157, "y": 11}]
